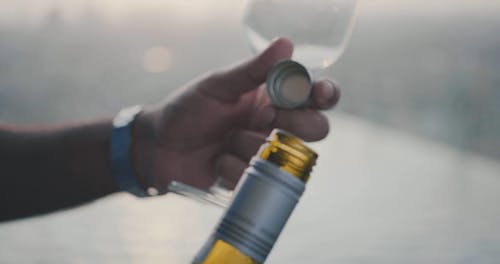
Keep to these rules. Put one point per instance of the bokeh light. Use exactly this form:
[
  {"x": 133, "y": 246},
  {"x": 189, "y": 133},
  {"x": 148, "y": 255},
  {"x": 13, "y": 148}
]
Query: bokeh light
[{"x": 158, "y": 59}]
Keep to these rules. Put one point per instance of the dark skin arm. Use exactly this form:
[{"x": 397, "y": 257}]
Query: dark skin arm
[
  {"x": 210, "y": 128},
  {"x": 48, "y": 168}
]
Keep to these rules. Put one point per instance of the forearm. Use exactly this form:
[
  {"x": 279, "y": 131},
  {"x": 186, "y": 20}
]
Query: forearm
[{"x": 49, "y": 168}]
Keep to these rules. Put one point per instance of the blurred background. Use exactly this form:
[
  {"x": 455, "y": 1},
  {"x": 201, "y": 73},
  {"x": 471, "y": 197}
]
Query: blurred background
[{"x": 410, "y": 173}]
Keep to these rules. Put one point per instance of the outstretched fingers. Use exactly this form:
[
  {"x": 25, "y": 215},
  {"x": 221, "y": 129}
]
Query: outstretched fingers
[
  {"x": 230, "y": 84},
  {"x": 229, "y": 169},
  {"x": 325, "y": 94},
  {"x": 245, "y": 143},
  {"x": 307, "y": 123}
]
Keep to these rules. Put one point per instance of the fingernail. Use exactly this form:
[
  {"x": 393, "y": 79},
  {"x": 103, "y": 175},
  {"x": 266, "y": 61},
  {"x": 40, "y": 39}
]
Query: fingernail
[
  {"x": 274, "y": 39},
  {"x": 328, "y": 90}
]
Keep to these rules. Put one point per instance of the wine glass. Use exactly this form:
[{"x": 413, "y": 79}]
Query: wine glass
[
  {"x": 217, "y": 194},
  {"x": 319, "y": 29}
]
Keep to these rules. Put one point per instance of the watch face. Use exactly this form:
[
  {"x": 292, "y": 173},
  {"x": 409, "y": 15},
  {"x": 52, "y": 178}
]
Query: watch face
[{"x": 126, "y": 115}]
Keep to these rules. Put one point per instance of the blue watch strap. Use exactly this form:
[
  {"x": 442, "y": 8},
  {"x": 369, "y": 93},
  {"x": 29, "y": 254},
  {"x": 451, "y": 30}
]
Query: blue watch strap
[{"x": 120, "y": 141}]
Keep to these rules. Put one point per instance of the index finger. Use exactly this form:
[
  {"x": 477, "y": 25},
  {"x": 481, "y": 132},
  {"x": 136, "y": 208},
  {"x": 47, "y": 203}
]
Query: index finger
[{"x": 229, "y": 85}]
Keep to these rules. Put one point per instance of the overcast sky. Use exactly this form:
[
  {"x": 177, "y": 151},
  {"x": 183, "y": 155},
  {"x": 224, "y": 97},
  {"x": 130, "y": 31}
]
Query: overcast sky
[{"x": 33, "y": 11}]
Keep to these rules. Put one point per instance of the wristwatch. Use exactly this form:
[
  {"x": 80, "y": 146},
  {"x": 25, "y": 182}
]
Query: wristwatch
[{"x": 120, "y": 154}]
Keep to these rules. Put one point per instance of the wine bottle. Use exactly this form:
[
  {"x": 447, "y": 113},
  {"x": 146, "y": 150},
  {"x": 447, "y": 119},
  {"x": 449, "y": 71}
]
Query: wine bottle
[{"x": 264, "y": 199}]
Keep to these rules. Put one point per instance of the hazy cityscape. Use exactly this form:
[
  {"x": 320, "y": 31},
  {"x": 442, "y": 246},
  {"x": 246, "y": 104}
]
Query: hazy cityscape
[{"x": 435, "y": 74}]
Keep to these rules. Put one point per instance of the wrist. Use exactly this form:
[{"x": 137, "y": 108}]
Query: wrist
[
  {"x": 142, "y": 152},
  {"x": 121, "y": 154}
]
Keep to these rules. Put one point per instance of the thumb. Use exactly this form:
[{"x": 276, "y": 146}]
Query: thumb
[{"x": 228, "y": 85}]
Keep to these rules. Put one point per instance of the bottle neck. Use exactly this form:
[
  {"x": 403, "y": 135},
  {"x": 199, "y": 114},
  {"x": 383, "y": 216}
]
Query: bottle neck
[
  {"x": 289, "y": 153},
  {"x": 265, "y": 198}
]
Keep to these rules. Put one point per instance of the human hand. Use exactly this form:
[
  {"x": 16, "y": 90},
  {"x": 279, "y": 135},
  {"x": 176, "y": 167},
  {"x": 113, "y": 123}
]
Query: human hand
[{"x": 213, "y": 125}]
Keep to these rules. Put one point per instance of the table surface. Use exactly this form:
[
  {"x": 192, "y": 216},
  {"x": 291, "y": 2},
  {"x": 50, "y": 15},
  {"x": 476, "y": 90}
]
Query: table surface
[{"x": 376, "y": 196}]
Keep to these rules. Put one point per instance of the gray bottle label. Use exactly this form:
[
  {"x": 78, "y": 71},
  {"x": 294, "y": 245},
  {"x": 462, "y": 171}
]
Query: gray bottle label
[{"x": 264, "y": 200}]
